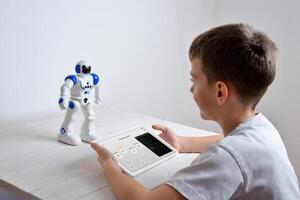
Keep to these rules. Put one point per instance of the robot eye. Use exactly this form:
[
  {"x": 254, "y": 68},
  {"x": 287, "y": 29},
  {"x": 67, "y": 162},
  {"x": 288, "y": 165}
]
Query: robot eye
[{"x": 86, "y": 70}]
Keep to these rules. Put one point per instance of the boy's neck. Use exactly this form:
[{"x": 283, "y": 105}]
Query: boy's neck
[{"x": 235, "y": 117}]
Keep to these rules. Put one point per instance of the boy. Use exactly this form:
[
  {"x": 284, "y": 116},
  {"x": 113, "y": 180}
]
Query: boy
[{"x": 232, "y": 67}]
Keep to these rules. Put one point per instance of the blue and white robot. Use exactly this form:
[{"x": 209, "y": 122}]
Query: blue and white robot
[{"x": 76, "y": 93}]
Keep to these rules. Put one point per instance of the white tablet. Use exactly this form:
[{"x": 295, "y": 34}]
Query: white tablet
[{"x": 138, "y": 149}]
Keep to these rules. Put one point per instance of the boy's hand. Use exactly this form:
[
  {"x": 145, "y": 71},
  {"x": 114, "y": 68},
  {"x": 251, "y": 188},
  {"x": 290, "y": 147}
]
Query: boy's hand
[
  {"x": 106, "y": 159},
  {"x": 168, "y": 135}
]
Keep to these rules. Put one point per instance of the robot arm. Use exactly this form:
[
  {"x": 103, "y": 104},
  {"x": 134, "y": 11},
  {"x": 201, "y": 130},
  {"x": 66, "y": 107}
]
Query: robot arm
[
  {"x": 65, "y": 91},
  {"x": 98, "y": 95}
]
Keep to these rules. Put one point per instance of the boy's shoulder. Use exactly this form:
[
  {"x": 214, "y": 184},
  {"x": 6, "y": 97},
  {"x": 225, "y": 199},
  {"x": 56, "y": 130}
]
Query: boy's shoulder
[
  {"x": 262, "y": 157},
  {"x": 256, "y": 137}
]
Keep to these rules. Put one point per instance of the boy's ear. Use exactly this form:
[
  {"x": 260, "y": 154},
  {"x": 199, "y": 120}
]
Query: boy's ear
[{"x": 221, "y": 92}]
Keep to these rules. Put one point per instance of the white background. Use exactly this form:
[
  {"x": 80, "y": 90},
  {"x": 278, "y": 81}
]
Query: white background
[{"x": 140, "y": 50}]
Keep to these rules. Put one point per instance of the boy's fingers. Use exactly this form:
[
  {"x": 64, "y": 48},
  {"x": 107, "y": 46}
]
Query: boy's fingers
[
  {"x": 159, "y": 127},
  {"x": 96, "y": 147},
  {"x": 102, "y": 151},
  {"x": 99, "y": 149}
]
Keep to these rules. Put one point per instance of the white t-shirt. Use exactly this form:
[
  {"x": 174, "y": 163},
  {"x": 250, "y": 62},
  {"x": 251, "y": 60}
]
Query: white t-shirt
[{"x": 249, "y": 163}]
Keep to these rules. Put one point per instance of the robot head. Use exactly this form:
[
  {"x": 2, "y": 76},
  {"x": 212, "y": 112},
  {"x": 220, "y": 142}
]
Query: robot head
[{"x": 82, "y": 68}]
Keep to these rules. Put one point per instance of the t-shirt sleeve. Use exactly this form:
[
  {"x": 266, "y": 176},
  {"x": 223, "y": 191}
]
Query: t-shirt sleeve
[{"x": 215, "y": 174}]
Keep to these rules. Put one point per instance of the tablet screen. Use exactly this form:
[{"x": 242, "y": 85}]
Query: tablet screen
[{"x": 153, "y": 144}]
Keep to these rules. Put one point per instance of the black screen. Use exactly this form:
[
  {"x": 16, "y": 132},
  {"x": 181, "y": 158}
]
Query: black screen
[{"x": 153, "y": 144}]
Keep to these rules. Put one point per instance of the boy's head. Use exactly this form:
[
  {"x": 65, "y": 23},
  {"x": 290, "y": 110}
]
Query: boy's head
[{"x": 234, "y": 59}]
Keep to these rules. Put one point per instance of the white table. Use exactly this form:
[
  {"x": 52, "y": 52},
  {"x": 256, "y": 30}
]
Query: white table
[{"x": 35, "y": 166}]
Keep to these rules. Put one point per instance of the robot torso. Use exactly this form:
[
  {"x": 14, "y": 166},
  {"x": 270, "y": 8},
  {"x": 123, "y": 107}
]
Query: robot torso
[{"x": 83, "y": 86}]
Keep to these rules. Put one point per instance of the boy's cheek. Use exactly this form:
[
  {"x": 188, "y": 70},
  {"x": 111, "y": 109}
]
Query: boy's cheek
[{"x": 195, "y": 99}]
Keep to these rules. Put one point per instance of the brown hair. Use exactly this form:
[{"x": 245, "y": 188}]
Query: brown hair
[{"x": 240, "y": 55}]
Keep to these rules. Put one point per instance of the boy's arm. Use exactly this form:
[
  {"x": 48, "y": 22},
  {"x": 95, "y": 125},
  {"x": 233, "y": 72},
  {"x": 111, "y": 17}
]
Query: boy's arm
[
  {"x": 186, "y": 144},
  {"x": 189, "y": 144},
  {"x": 124, "y": 187}
]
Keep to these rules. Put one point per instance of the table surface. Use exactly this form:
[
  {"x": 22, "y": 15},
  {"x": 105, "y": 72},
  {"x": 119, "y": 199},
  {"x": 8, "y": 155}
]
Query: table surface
[{"x": 35, "y": 166}]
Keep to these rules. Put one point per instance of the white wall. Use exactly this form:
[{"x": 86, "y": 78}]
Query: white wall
[
  {"x": 128, "y": 42},
  {"x": 132, "y": 44},
  {"x": 280, "y": 20}
]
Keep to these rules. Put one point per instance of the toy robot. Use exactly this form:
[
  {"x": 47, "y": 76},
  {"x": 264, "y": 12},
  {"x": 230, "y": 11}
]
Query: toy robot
[{"x": 76, "y": 94}]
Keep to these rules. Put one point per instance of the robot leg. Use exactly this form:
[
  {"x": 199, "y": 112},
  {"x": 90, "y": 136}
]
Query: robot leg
[
  {"x": 88, "y": 133},
  {"x": 67, "y": 134}
]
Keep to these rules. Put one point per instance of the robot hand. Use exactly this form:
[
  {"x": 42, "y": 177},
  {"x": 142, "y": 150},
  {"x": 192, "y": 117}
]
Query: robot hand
[
  {"x": 62, "y": 103},
  {"x": 98, "y": 100}
]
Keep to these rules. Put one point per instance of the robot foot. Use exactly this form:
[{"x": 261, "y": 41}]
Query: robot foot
[
  {"x": 88, "y": 137},
  {"x": 69, "y": 139}
]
